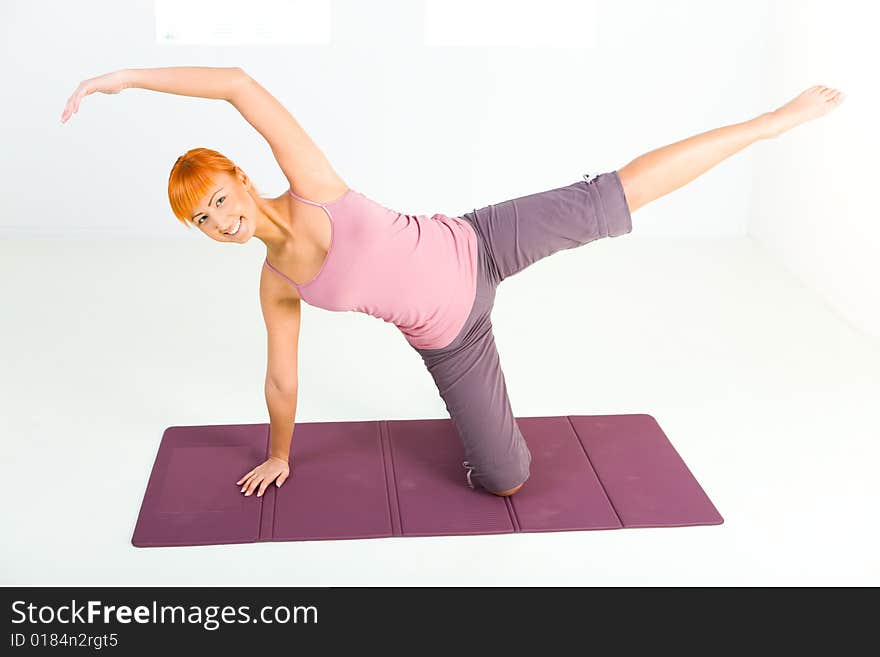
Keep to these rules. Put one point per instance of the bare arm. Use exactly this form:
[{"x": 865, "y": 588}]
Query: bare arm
[
  {"x": 304, "y": 164},
  {"x": 199, "y": 81},
  {"x": 282, "y": 416},
  {"x": 302, "y": 161},
  {"x": 282, "y": 316}
]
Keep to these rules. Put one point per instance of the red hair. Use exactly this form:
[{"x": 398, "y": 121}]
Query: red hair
[{"x": 192, "y": 178}]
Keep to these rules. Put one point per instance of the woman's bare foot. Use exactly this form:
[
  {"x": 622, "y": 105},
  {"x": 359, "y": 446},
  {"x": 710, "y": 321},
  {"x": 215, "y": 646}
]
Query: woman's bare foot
[{"x": 811, "y": 104}]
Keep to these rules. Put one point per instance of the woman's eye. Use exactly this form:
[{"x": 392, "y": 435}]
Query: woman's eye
[{"x": 218, "y": 203}]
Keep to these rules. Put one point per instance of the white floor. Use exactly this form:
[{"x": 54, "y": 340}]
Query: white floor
[{"x": 770, "y": 398}]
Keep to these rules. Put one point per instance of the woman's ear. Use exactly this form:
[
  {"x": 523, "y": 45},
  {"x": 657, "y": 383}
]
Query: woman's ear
[{"x": 246, "y": 182}]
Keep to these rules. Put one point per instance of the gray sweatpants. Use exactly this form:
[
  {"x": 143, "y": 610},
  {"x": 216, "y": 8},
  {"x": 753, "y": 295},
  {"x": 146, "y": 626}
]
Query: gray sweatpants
[{"x": 512, "y": 235}]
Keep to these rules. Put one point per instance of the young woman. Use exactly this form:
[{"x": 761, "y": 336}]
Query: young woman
[{"x": 433, "y": 277}]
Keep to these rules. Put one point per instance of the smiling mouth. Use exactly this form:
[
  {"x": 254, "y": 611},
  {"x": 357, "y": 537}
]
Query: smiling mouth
[{"x": 237, "y": 227}]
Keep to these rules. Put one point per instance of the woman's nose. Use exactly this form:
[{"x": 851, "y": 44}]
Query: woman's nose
[{"x": 224, "y": 224}]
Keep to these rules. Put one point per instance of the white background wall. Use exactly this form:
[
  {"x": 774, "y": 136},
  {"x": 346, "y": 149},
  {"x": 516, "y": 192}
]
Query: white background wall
[{"x": 741, "y": 312}]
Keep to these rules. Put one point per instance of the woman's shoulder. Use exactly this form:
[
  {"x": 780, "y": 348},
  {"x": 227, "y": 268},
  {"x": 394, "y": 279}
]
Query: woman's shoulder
[
  {"x": 274, "y": 286},
  {"x": 320, "y": 188}
]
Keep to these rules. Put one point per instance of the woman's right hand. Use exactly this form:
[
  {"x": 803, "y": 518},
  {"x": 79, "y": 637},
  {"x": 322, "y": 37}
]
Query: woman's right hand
[{"x": 109, "y": 83}]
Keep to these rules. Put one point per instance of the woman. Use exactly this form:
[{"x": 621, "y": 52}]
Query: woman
[{"x": 434, "y": 277}]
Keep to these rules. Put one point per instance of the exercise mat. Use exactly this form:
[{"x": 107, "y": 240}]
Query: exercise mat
[{"x": 382, "y": 478}]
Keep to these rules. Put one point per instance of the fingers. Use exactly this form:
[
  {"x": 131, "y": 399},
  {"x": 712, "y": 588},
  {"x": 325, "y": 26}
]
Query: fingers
[
  {"x": 238, "y": 483},
  {"x": 68, "y": 110},
  {"x": 253, "y": 481},
  {"x": 249, "y": 485},
  {"x": 73, "y": 102},
  {"x": 258, "y": 479},
  {"x": 263, "y": 487}
]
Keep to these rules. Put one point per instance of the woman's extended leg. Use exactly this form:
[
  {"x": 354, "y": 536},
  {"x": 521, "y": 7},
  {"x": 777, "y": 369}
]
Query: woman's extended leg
[
  {"x": 664, "y": 170},
  {"x": 523, "y": 230}
]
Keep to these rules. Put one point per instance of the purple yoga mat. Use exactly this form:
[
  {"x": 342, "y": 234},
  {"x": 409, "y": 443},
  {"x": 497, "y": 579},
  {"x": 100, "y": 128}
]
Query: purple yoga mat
[{"x": 379, "y": 478}]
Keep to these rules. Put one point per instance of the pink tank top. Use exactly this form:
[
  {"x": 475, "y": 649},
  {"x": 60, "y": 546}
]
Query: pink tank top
[{"x": 414, "y": 271}]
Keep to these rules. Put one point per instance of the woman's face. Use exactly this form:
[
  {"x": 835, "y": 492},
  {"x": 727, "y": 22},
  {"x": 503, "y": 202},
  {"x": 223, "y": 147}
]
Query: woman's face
[{"x": 226, "y": 205}]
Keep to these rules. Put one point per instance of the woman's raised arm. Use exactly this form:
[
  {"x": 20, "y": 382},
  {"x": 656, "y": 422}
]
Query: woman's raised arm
[{"x": 198, "y": 81}]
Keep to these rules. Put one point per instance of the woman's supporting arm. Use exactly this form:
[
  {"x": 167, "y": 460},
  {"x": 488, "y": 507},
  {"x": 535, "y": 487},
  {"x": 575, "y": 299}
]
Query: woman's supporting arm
[
  {"x": 282, "y": 418},
  {"x": 199, "y": 81}
]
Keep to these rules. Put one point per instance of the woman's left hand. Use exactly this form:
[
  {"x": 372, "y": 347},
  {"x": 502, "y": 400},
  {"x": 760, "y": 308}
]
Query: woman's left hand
[{"x": 264, "y": 474}]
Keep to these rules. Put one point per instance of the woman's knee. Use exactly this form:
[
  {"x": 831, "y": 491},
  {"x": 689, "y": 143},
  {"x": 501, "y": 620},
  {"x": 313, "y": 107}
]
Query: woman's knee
[
  {"x": 498, "y": 481},
  {"x": 508, "y": 492}
]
